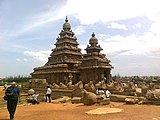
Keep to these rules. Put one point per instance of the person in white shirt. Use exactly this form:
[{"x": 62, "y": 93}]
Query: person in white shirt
[
  {"x": 48, "y": 94},
  {"x": 107, "y": 92},
  {"x": 34, "y": 98},
  {"x": 100, "y": 91}
]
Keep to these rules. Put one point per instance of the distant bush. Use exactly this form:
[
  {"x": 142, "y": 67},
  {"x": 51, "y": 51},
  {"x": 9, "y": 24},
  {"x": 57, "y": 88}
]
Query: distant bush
[{"x": 18, "y": 79}]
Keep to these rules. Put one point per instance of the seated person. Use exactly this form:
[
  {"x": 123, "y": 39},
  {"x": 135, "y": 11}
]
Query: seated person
[
  {"x": 100, "y": 91},
  {"x": 34, "y": 98}
]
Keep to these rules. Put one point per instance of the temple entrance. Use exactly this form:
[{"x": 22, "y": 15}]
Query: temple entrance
[{"x": 107, "y": 76}]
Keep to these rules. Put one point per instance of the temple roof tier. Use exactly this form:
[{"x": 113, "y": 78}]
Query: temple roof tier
[
  {"x": 96, "y": 67},
  {"x": 51, "y": 72},
  {"x": 66, "y": 52},
  {"x": 66, "y": 33},
  {"x": 66, "y": 41}
]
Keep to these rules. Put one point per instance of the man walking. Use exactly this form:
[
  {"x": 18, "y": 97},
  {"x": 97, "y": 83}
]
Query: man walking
[
  {"x": 13, "y": 95},
  {"x": 48, "y": 94}
]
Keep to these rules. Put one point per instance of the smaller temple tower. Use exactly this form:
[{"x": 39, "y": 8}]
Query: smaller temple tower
[{"x": 95, "y": 66}]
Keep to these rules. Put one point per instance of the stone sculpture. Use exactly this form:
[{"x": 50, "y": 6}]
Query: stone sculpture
[{"x": 89, "y": 98}]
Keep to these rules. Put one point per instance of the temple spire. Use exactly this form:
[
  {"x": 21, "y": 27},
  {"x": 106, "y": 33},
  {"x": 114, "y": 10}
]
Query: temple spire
[
  {"x": 93, "y": 40},
  {"x": 93, "y": 47},
  {"x": 93, "y": 35},
  {"x": 66, "y": 25},
  {"x": 66, "y": 20}
]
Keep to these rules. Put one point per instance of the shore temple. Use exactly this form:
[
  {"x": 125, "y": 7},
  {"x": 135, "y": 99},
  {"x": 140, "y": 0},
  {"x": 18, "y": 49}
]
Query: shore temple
[{"x": 67, "y": 63}]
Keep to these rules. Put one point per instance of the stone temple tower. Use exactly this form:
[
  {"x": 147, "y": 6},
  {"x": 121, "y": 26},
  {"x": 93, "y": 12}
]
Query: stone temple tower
[
  {"x": 64, "y": 60},
  {"x": 95, "y": 66},
  {"x": 67, "y": 63}
]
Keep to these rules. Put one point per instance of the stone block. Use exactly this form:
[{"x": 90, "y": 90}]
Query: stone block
[
  {"x": 76, "y": 100},
  {"x": 131, "y": 101},
  {"x": 64, "y": 99}
]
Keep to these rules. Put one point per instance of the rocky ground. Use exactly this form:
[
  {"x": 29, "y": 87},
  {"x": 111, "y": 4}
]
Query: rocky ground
[{"x": 68, "y": 111}]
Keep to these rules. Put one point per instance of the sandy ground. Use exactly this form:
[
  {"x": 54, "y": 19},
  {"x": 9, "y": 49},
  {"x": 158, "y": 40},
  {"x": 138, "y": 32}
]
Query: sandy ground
[
  {"x": 68, "y": 111},
  {"x": 50, "y": 111}
]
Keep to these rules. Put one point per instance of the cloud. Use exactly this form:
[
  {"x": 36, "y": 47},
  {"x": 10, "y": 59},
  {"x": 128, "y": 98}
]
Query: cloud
[
  {"x": 99, "y": 36},
  {"x": 82, "y": 47},
  {"x": 22, "y": 60},
  {"x": 79, "y": 30},
  {"x": 109, "y": 10},
  {"x": 138, "y": 25},
  {"x": 115, "y": 25},
  {"x": 18, "y": 59},
  {"x": 40, "y": 55},
  {"x": 132, "y": 45},
  {"x": 18, "y": 18}
]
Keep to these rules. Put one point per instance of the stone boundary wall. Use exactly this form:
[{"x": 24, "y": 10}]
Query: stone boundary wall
[{"x": 56, "y": 93}]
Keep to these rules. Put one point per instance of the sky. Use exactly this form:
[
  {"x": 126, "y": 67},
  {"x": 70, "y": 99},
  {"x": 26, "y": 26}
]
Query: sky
[{"x": 127, "y": 30}]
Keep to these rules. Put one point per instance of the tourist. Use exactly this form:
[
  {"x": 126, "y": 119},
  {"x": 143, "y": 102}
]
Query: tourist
[
  {"x": 34, "y": 98},
  {"x": 13, "y": 94},
  {"x": 100, "y": 91},
  {"x": 48, "y": 94},
  {"x": 107, "y": 92}
]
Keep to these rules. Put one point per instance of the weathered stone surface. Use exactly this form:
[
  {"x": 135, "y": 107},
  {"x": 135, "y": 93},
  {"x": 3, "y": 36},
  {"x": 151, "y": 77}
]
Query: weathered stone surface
[
  {"x": 62, "y": 86},
  {"x": 152, "y": 102},
  {"x": 37, "y": 83},
  {"x": 103, "y": 84},
  {"x": 131, "y": 101},
  {"x": 144, "y": 89},
  {"x": 64, "y": 99},
  {"x": 106, "y": 101},
  {"x": 117, "y": 98},
  {"x": 115, "y": 86},
  {"x": 77, "y": 93},
  {"x": 90, "y": 86},
  {"x": 153, "y": 95},
  {"x": 55, "y": 86},
  {"x": 79, "y": 85},
  {"x": 31, "y": 92},
  {"x": 76, "y": 100},
  {"x": 102, "y": 100},
  {"x": 130, "y": 87},
  {"x": 70, "y": 86},
  {"x": 89, "y": 98},
  {"x": 98, "y": 85}
]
